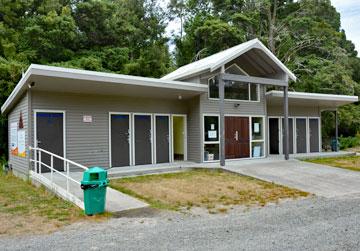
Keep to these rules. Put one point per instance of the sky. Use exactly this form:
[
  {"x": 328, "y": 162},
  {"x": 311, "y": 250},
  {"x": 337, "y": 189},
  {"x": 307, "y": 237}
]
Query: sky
[{"x": 350, "y": 20}]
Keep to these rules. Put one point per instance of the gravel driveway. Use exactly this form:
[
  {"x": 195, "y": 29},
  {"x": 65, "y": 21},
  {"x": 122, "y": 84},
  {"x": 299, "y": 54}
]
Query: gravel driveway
[{"x": 310, "y": 224}]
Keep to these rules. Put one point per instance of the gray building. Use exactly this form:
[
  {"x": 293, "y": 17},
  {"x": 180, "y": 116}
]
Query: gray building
[{"x": 215, "y": 108}]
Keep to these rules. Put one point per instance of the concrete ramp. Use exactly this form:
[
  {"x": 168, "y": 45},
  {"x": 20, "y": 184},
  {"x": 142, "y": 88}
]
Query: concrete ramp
[{"x": 115, "y": 201}]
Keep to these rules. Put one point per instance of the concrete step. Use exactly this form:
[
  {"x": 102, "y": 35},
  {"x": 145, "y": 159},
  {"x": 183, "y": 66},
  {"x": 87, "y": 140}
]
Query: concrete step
[{"x": 118, "y": 173}]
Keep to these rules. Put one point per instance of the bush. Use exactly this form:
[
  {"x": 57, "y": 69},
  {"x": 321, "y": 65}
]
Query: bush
[{"x": 348, "y": 142}]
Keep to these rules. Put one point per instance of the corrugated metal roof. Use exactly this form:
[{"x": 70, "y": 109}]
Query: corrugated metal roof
[{"x": 215, "y": 61}]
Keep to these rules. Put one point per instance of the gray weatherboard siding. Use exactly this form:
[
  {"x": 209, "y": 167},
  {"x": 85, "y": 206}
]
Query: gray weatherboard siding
[
  {"x": 88, "y": 143},
  {"x": 305, "y": 111},
  {"x": 20, "y": 165}
]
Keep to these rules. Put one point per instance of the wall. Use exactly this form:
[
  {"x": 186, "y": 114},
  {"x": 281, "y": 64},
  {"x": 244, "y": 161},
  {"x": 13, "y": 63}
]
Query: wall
[
  {"x": 20, "y": 165},
  {"x": 307, "y": 111},
  {"x": 88, "y": 143}
]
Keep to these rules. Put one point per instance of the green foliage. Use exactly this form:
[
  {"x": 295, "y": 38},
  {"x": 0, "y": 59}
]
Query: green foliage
[
  {"x": 349, "y": 142},
  {"x": 122, "y": 36}
]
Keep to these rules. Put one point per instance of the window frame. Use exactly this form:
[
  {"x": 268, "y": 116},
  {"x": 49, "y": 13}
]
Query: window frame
[{"x": 249, "y": 87}]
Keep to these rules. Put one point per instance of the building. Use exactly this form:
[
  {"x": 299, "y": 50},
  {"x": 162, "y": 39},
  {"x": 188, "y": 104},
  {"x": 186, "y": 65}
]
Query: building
[{"x": 113, "y": 120}]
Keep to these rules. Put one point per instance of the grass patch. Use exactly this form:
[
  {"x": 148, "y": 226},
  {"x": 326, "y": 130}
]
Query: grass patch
[
  {"x": 346, "y": 162},
  {"x": 25, "y": 208},
  {"x": 214, "y": 190}
]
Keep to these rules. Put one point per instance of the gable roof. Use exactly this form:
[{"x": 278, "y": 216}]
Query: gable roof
[{"x": 215, "y": 61}]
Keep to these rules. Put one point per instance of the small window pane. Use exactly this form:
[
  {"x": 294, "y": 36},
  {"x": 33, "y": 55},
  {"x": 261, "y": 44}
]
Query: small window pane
[
  {"x": 254, "y": 92},
  {"x": 257, "y": 128},
  {"x": 211, "y": 152},
  {"x": 211, "y": 126},
  {"x": 236, "y": 90},
  {"x": 257, "y": 149},
  {"x": 214, "y": 88}
]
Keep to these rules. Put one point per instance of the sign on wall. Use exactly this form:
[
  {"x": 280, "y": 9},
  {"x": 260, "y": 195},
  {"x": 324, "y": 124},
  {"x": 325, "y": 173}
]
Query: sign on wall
[
  {"x": 21, "y": 143},
  {"x": 18, "y": 138},
  {"x": 13, "y": 138},
  {"x": 87, "y": 119}
]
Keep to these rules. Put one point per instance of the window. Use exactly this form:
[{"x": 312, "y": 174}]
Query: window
[
  {"x": 257, "y": 137},
  {"x": 211, "y": 125},
  {"x": 234, "y": 90},
  {"x": 211, "y": 138}
]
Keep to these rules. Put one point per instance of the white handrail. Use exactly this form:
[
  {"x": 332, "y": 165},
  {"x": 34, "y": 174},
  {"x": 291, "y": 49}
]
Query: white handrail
[
  {"x": 59, "y": 157},
  {"x": 38, "y": 164}
]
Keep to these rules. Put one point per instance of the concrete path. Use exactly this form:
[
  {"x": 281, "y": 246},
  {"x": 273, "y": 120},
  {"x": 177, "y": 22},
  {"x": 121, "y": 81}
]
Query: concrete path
[
  {"x": 314, "y": 178},
  {"x": 115, "y": 201}
]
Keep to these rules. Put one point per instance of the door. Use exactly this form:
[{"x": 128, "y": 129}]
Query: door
[
  {"x": 314, "y": 135},
  {"x": 179, "y": 137},
  {"x": 50, "y": 137},
  {"x": 291, "y": 136},
  {"x": 120, "y": 140},
  {"x": 237, "y": 140},
  {"x": 301, "y": 141},
  {"x": 274, "y": 135},
  {"x": 162, "y": 139},
  {"x": 142, "y": 139}
]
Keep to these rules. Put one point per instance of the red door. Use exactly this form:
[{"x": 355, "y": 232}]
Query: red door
[{"x": 237, "y": 140}]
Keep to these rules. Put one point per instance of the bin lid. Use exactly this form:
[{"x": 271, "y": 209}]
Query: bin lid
[{"x": 95, "y": 174}]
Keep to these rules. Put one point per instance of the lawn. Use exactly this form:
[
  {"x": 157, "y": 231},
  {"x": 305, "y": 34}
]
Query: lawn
[
  {"x": 346, "y": 162},
  {"x": 215, "y": 190},
  {"x": 26, "y": 209}
]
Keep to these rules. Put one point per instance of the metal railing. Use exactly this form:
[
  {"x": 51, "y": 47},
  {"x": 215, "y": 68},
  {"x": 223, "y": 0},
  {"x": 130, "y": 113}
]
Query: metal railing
[{"x": 37, "y": 160}]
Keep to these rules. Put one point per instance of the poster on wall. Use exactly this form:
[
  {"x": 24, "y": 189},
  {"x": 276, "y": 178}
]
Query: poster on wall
[
  {"x": 21, "y": 143},
  {"x": 13, "y": 138}
]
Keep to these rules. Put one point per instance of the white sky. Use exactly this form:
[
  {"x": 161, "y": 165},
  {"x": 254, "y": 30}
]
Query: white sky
[{"x": 350, "y": 20}]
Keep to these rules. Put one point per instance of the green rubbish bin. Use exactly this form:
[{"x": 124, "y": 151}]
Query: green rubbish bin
[{"x": 94, "y": 184}]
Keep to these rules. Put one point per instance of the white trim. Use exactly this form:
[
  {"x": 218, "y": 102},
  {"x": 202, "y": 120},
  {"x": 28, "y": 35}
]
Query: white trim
[
  {"x": 151, "y": 136},
  {"x": 250, "y": 117},
  {"x": 169, "y": 129},
  {"x": 235, "y": 100},
  {"x": 94, "y": 77},
  {"x": 314, "y": 96},
  {"x": 209, "y": 142},
  {"x": 130, "y": 136},
  {"x": 279, "y": 132},
  {"x": 319, "y": 132},
  {"x": 185, "y": 135},
  {"x": 64, "y": 128},
  {"x": 306, "y": 134},
  {"x": 214, "y": 61}
]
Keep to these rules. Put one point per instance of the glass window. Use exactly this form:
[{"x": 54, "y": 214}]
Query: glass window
[
  {"x": 213, "y": 88},
  {"x": 254, "y": 92},
  {"x": 211, "y": 152},
  {"x": 234, "y": 90},
  {"x": 257, "y": 149},
  {"x": 211, "y": 128},
  {"x": 257, "y": 128}
]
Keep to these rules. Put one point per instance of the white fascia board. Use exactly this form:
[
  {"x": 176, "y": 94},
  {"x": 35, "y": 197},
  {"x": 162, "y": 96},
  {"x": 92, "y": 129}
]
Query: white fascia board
[
  {"x": 243, "y": 49},
  {"x": 315, "y": 96},
  {"x": 19, "y": 88},
  {"x": 52, "y": 71},
  {"x": 255, "y": 43}
]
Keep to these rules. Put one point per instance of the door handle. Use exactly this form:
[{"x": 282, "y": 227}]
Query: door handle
[{"x": 150, "y": 136}]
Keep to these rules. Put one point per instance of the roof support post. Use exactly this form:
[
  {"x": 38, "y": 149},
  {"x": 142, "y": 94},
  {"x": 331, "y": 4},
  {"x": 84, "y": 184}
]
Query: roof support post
[
  {"x": 286, "y": 123},
  {"x": 336, "y": 130},
  {"x": 222, "y": 116}
]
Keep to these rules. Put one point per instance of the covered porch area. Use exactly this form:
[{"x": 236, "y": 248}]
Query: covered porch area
[{"x": 305, "y": 109}]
